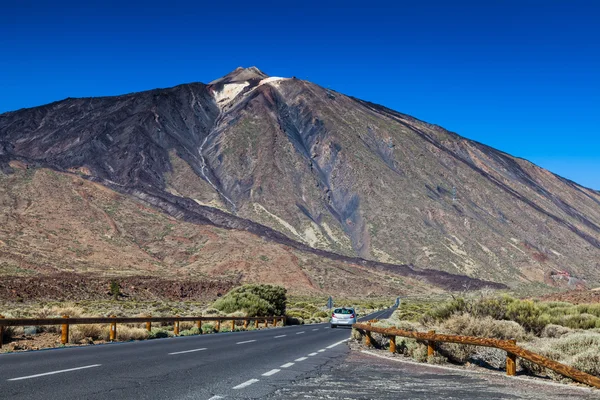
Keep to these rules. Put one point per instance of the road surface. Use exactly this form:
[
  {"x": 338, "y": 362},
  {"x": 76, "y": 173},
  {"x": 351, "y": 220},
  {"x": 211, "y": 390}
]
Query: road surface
[{"x": 252, "y": 364}]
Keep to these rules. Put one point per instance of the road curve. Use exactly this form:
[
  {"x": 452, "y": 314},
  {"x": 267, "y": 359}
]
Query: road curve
[{"x": 249, "y": 364}]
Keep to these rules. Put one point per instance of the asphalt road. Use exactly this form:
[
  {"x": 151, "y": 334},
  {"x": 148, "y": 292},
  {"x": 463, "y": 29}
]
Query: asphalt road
[{"x": 249, "y": 364}]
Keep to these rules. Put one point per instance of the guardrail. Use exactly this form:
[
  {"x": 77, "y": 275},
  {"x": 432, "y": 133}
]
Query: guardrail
[
  {"x": 66, "y": 321},
  {"x": 510, "y": 346}
]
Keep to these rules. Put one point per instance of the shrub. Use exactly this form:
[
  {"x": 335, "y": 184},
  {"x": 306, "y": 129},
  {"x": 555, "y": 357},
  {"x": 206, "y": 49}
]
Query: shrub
[
  {"x": 554, "y": 331},
  {"x": 78, "y": 333},
  {"x": 321, "y": 314},
  {"x": 469, "y": 325},
  {"x": 115, "y": 289},
  {"x": 126, "y": 333},
  {"x": 578, "y": 349},
  {"x": 254, "y": 300},
  {"x": 527, "y": 314},
  {"x": 411, "y": 348},
  {"x": 437, "y": 359},
  {"x": 494, "y": 307},
  {"x": 8, "y": 333},
  {"x": 208, "y": 328},
  {"x": 588, "y": 361},
  {"x": 446, "y": 310},
  {"x": 579, "y": 321},
  {"x": 70, "y": 310},
  {"x": 190, "y": 332}
]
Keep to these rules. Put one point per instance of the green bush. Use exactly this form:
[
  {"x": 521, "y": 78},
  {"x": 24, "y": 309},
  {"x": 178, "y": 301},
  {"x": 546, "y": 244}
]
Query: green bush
[
  {"x": 321, "y": 314},
  {"x": 527, "y": 314},
  {"x": 254, "y": 300},
  {"x": 446, "y": 310},
  {"x": 190, "y": 332}
]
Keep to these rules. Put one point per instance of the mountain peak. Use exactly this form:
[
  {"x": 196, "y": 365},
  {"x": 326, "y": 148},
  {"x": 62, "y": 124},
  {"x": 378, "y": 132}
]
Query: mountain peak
[{"x": 241, "y": 74}]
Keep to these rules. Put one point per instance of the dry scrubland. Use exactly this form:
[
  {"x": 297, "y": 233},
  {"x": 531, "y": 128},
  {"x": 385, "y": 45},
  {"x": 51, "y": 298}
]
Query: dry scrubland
[
  {"x": 247, "y": 300},
  {"x": 562, "y": 331}
]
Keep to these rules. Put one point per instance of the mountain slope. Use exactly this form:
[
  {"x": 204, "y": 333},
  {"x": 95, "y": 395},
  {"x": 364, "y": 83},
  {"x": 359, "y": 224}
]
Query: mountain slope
[{"x": 323, "y": 170}]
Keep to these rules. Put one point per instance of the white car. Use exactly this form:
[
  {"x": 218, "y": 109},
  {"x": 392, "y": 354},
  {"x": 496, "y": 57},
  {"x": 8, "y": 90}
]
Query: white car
[{"x": 343, "y": 316}]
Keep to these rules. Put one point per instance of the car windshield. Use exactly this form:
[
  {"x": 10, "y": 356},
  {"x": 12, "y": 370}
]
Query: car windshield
[{"x": 343, "y": 311}]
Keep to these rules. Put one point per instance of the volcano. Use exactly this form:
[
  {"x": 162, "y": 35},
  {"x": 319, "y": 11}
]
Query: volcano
[{"x": 293, "y": 165}]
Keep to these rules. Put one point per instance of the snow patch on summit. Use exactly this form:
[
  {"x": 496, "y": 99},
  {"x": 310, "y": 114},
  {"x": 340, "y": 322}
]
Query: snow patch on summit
[
  {"x": 272, "y": 79},
  {"x": 229, "y": 92}
]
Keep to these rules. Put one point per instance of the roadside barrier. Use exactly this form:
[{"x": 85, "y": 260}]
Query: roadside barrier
[
  {"x": 510, "y": 346},
  {"x": 112, "y": 321}
]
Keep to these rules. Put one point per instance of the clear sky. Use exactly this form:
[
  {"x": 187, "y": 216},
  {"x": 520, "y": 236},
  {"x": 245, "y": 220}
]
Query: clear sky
[{"x": 522, "y": 76}]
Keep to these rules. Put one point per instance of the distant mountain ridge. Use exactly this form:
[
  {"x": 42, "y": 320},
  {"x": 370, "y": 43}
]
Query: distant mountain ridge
[{"x": 319, "y": 171}]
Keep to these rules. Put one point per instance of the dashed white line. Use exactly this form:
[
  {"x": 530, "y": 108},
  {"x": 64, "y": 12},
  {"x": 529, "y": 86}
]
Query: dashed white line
[
  {"x": 312, "y": 354},
  {"x": 286, "y": 365},
  {"x": 316, "y": 329},
  {"x": 53, "y": 372},
  {"x": 322, "y": 350},
  {"x": 335, "y": 344},
  {"x": 301, "y": 359},
  {"x": 247, "y": 383},
  {"x": 299, "y": 333},
  {"x": 186, "y": 351},
  {"x": 246, "y": 341},
  {"x": 277, "y": 337},
  {"x": 216, "y": 398},
  {"x": 271, "y": 372}
]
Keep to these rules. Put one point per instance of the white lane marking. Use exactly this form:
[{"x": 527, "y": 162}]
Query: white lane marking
[
  {"x": 326, "y": 327},
  {"x": 277, "y": 337},
  {"x": 286, "y": 365},
  {"x": 271, "y": 372},
  {"x": 216, "y": 398},
  {"x": 247, "y": 383},
  {"x": 53, "y": 372},
  {"x": 246, "y": 341},
  {"x": 316, "y": 329},
  {"x": 312, "y": 354},
  {"x": 186, "y": 351},
  {"x": 322, "y": 350},
  {"x": 301, "y": 359},
  {"x": 298, "y": 333},
  {"x": 335, "y": 344}
]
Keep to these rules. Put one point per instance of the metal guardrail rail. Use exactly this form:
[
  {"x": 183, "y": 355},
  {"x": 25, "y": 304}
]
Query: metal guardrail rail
[
  {"x": 510, "y": 346},
  {"x": 66, "y": 321}
]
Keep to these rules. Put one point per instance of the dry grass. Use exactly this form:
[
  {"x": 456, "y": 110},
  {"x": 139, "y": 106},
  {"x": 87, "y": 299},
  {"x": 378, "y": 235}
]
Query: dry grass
[{"x": 84, "y": 333}]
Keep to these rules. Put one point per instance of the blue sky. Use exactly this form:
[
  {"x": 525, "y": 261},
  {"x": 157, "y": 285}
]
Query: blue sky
[{"x": 522, "y": 76}]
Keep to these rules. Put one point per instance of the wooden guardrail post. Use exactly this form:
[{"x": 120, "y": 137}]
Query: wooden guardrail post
[
  {"x": 199, "y": 326},
  {"x": 274, "y": 322},
  {"x": 368, "y": 338},
  {"x": 149, "y": 324},
  {"x": 245, "y": 324},
  {"x": 232, "y": 325},
  {"x": 176, "y": 326},
  {"x": 112, "y": 334},
  {"x": 1, "y": 332},
  {"x": 392, "y": 343},
  {"x": 283, "y": 321},
  {"x": 511, "y": 362},
  {"x": 266, "y": 322},
  {"x": 256, "y": 324},
  {"x": 431, "y": 345},
  {"x": 64, "y": 332},
  {"x": 218, "y": 326}
]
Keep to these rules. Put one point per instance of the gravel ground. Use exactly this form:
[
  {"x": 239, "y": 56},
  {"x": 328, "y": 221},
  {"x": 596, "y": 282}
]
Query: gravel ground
[{"x": 361, "y": 375}]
